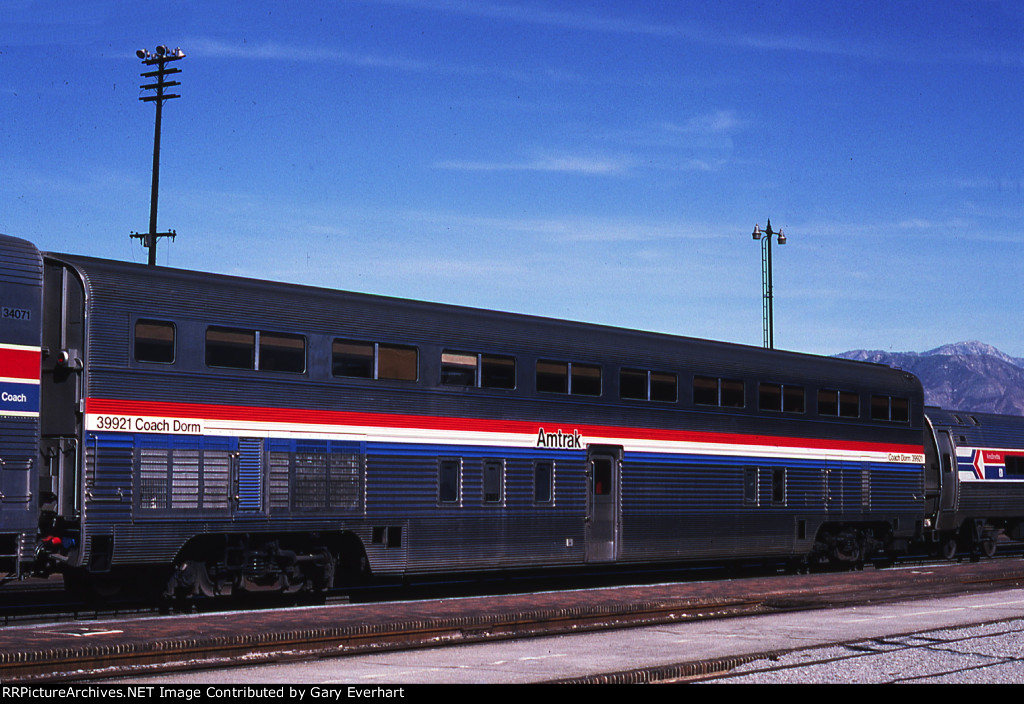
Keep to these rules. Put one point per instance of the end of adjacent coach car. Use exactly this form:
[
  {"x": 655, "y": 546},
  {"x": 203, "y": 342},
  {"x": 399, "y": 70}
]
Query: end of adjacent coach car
[
  {"x": 974, "y": 481},
  {"x": 42, "y": 341},
  {"x": 21, "y": 293}
]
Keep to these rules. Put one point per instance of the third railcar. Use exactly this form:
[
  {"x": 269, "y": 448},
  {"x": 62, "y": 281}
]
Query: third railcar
[
  {"x": 206, "y": 434},
  {"x": 974, "y": 480}
]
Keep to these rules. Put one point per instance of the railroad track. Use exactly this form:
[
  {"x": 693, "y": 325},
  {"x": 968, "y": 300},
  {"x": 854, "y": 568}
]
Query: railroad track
[
  {"x": 215, "y": 651},
  {"x": 103, "y": 649},
  {"x": 899, "y": 659}
]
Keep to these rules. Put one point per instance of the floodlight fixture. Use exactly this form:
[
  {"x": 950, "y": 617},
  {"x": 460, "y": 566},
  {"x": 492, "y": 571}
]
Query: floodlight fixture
[{"x": 767, "y": 292}]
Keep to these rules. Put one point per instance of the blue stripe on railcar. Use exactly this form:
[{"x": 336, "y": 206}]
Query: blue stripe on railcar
[
  {"x": 650, "y": 480},
  {"x": 18, "y": 398}
]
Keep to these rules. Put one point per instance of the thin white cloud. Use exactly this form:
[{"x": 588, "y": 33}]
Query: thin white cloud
[
  {"x": 216, "y": 48},
  {"x": 717, "y": 122},
  {"x": 883, "y": 48},
  {"x": 313, "y": 54},
  {"x": 559, "y": 229},
  {"x": 552, "y": 18},
  {"x": 707, "y": 137},
  {"x": 589, "y": 166}
]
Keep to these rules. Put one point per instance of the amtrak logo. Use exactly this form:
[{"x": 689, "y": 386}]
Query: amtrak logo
[
  {"x": 988, "y": 464},
  {"x": 560, "y": 440}
]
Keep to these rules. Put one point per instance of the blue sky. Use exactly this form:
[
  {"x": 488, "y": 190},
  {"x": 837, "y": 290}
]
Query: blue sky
[{"x": 595, "y": 161}]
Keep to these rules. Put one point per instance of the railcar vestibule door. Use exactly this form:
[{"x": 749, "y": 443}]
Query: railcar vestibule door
[
  {"x": 62, "y": 390},
  {"x": 941, "y": 480},
  {"x": 932, "y": 474},
  {"x": 604, "y": 464},
  {"x": 949, "y": 476}
]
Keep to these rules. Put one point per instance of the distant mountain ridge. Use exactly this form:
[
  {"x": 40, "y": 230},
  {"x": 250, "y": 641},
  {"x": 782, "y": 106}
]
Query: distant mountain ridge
[{"x": 968, "y": 376}]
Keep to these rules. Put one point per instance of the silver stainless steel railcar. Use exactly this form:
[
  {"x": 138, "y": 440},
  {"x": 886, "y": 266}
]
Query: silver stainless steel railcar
[
  {"x": 205, "y": 434},
  {"x": 974, "y": 480}
]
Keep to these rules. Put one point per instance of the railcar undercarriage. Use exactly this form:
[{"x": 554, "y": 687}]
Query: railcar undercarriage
[
  {"x": 850, "y": 546},
  {"x": 285, "y": 564},
  {"x": 237, "y": 564}
]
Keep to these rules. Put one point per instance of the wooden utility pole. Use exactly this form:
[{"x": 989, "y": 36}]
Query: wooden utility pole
[{"x": 160, "y": 59}]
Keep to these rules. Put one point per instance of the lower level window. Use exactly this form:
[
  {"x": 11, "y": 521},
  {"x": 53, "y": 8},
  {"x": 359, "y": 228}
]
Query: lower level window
[
  {"x": 494, "y": 480},
  {"x": 543, "y": 481},
  {"x": 449, "y": 480}
]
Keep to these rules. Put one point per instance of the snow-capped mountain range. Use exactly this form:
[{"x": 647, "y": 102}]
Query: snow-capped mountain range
[{"x": 967, "y": 376}]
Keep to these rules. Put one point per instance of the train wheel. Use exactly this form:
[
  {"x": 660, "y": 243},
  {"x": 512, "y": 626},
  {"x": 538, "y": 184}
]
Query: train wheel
[
  {"x": 191, "y": 578},
  {"x": 950, "y": 548},
  {"x": 988, "y": 547},
  {"x": 320, "y": 575},
  {"x": 849, "y": 550}
]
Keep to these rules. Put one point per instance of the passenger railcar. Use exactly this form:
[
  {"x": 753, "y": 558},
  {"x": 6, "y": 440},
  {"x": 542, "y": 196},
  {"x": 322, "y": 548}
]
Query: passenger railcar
[
  {"x": 974, "y": 480},
  {"x": 206, "y": 434}
]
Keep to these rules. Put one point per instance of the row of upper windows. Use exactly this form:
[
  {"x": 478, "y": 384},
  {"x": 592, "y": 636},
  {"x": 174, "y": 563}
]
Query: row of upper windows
[
  {"x": 789, "y": 398},
  {"x": 239, "y": 348}
]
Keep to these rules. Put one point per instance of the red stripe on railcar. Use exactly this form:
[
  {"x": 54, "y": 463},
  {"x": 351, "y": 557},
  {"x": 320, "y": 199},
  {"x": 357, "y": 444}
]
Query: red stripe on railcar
[{"x": 19, "y": 363}]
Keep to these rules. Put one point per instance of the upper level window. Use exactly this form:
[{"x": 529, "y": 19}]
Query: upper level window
[
  {"x": 279, "y": 352},
  {"x": 154, "y": 341},
  {"x": 1014, "y": 465},
  {"x": 553, "y": 377},
  {"x": 890, "y": 408},
  {"x": 712, "y": 391},
  {"x": 785, "y": 398},
  {"x": 845, "y": 404},
  {"x": 354, "y": 359},
  {"x": 647, "y": 385},
  {"x": 237, "y": 348},
  {"x": 497, "y": 372},
  {"x": 568, "y": 378},
  {"x": 369, "y": 360},
  {"x": 231, "y": 348},
  {"x": 489, "y": 371},
  {"x": 399, "y": 362}
]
